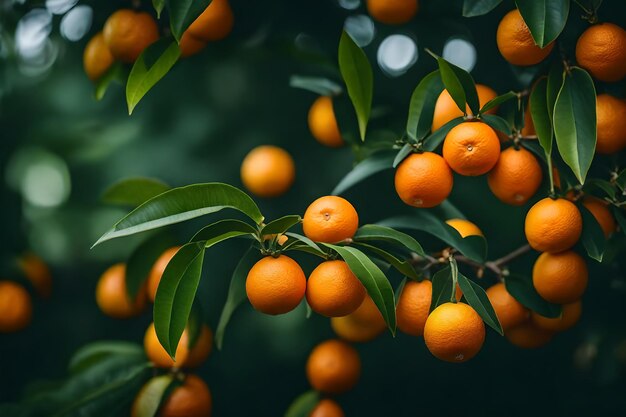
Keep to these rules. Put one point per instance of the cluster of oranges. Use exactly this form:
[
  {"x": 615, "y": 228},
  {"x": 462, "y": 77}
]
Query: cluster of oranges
[{"x": 127, "y": 33}]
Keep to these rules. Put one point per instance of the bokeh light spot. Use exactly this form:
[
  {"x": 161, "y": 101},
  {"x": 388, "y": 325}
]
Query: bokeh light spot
[
  {"x": 76, "y": 23},
  {"x": 396, "y": 54},
  {"x": 60, "y": 6},
  {"x": 361, "y": 28},
  {"x": 461, "y": 53}
]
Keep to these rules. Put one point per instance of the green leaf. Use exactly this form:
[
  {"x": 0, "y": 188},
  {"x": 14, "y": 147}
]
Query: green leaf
[
  {"x": 473, "y": 8},
  {"x": 318, "y": 85},
  {"x": 158, "y": 6},
  {"x": 592, "y": 236},
  {"x": 236, "y": 292},
  {"x": 280, "y": 225},
  {"x": 221, "y": 230},
  {"x": 152, "y": 65},
  {"x": 603, "y": 186},
  {"x": 497, "y": 101},
  {"x": 182, "y": 204},
  {"x": 443, "y": 290},
  {"x": 374, "y": 164},
  {"x": 93, "y": 353},
  {"x": 373, "y": 279},
  {"x": 621, "y": 180},
  {"x": 183, "y": 13},
  {"x": 620, "y": 218},
  {"x": 375, "y": 232},
  {"x": 304, "y": 244},
  {"x": 522, "y": 289},
  {"x": 404, "y": 267},
  {"x": 117, "y": 73},
  {"x": 575, "y": 121},
  {"x": 541, "y": 115},
  {"x": 545, "y": 18},
  {"x": 303, "y": 405},
  {"x": 433, "y": 141},
  {"x": 422, "y": 106},
  {"x": 497, "y": 123},
  {"x": 140, "y": 262},
  {"x": 555, "y": 80},
  {"x": 459, "y": 84},
  {"x": 477, "y": 298},
  {"x": 151, "y": 395},
  {"x": 175, "y": 295},
  {"x": 357, "y": 74},
  {"x": 133, "y": 191},
  {"x": 405, "y": 151}
]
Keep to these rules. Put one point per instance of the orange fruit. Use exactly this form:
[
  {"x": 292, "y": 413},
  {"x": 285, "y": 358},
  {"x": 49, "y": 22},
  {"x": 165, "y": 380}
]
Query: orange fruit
[
  {"x": 392, "y": 12},
  {"x": 560, "y": 278},
  {"x": 423, "y": 180},
  {"x": 515, "y": 42},
  {"x": 127, "y": 33},
  {"x": 471, "y": 148},
  {"x": 16, "y": 309},
  {"x": 154, "y": 278},
  {"x": 192, "y": 399},
  {"x": 186, "y": 356},
  {"x": 215, "y": 23},
  {"x": 454, "y": 332},
  {"x": 413, "y": 307},
  {"x": 190, "y": 45},
  {"x": 280, "y": 238},
  {"x": 611, "y": 129},
  {"x": 528, "y": 336},
  {"x": 323, "y": 124},
  {"x": 601, "y": 212},
  {"x": 268, "y": 171},
  {"x": 464, "y": 227},
  {"x": 275, "y": 285},
  {"x": 516, "y": 177},
  {"x": 553, "y": 225},
  {"x": 364, "y": 324},
  {"x": 37, "y": 272},
  {"x": 569, "y": 317},
  {"x": 327, "y": 408},
  {"x": 97, "y": 58},
  {"x": 111, "y": 294},
  {"x": 330, "y": 219},
  {"x": 333, "y": 290},
  {"x": 529, "y": 125},
  {"x": 446, "y": 109},
  {"x": 510, "y": 312},
  {"x": 601, "y": 50},
  {"x": 333, "y": 367},
  {"x": 201, "y": 349}
]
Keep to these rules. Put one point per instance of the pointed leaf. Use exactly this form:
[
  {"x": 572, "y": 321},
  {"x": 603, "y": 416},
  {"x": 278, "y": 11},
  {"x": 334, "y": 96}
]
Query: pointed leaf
[
  {"x": 405, "y": 151},
  {"x": 545, "y": 18},
  {"x": 459, "y": 84},
  {"x": 151, "y": 395},
  {"x": 497, "y": 101},
  {"x": 223, "y": 229},
  {"x": 303, "y": 404},
  {"x": 592, "y": 236},
  {"x": 318, "y": 85},
  {"x": 95, "y": 352},
  {"x": 280, "y": 225},
  {"x": 376, "y": 232},
  {"x": 374, "y": 164},
  {"x": 497, "y": 123},
  {"x": 183, "y": 13},
  {"x": 522, "y": 289},
  {"x": 422, "y": 106},
  {"x": 140, "y": 262},
  {"x": 117, "y": 73},
  {"x": 133, "y": 191},
  {"x": 433, "y": 141},
  {"x": 477, "y": 298},
  {"x": 473, "y": 8},
  {"x": 402, "y": 266},
  {"x": 158, "y": 6},
  {"x": 541, "y": 115},
  {"x": 442, "y": 288}
]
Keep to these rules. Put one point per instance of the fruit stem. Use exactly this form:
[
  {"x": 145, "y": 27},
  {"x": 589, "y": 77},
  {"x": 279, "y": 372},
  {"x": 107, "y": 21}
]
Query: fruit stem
[
  {"x": 454, "y": 269},
  {"x": 550, "y": 174},
  {"x": 512, "y": 255}
]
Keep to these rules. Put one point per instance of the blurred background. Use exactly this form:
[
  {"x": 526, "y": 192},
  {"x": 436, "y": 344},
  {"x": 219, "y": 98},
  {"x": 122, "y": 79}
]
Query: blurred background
[{"x": 60, "y": 149}]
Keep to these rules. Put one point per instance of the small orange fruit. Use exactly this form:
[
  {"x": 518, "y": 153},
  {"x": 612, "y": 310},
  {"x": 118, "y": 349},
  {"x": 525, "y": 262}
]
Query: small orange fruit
[
  {"x": 154, "y": 278},
  {"x": 392, "y": 12},
  {"x": 516, "y": 177},
  {"x": 515, "y": 42},
  {"x": 97, "y": 59},
  {"x": 111, "y": 294},
  {"x": 327, "y": 408},
  {"x": 186, "y": 356},
  {"x": 215, "y": 23},
  {"x": 191, "y": 399},
  {"x": 601, "y": 50},
  {"x": 510, "y": 312},
  {"x": 528, "y": 336},
  {"x": 446, "y": 109},
  {"x": 553, "y": 225},
  {"x": 37, "y": 272},
  {"x": 413, "y": 307},
  {"x": 569, "y": 317},
  {"x": 333, "y": 290},
  {"x": 190, "y": 45},
  {"x": 275, "y": 285},
  {"x": 333, "y": 367},
  {"x": 454, "y": 332},
  {"x": 471, "y": 148},
  {"x": 330, "y": 219},
  {"x": 268, "y": 171},
  {"x": 323, "y": 124},
  {"x": 423, "y": 180},
  {"x": 16, "y": 309},
  {"x": 560, "y": 278},
  {"x": 611, "y": 128},
  {"x": 127, "y": 33},
  {"x": 601, "y": 212},
  {"x": 364, "y": 324},
  {"x": 464, "y": 227}
]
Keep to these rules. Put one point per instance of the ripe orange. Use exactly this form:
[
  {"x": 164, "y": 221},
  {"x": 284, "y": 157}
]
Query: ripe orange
[
  {"x": 423, "y": 180},
  {"x": 16, "y": 309},
  {"x": 516, "y": 177},
  {"x": 185, "y": 357},
  {"x": 560, "y": 278},
  {"x": 127, "y": 33},
  {"x": 333, "y": 290},
  {"x": 364, "y": 324},
  {"x": 601, "y": 50},
  {"x": 454, "y": 332},
  {"x": 111, "y": 294},
  {"x": 268, "y": 171},
  {"x": 446, "y": 109},
  {"x": 601, "y": 212},
  {"x": 392, "y": 12},
  {"x": 510, "y": 312},
  {"x": 570, "y": 316},
  {"x": 190, "y": 45},
  {"x": 553, "y": 225},
  {"x": 330, "y": 219},
  {"x": 327, "y": 408},
  {"x": 464, "y": 227},
  {"x": 515, "y": 42},
  {"x": 333, "y": 367},
  {"x": 528, "y": 336},
  {"x": 413, "y": 307},
  {"x": 192, "y": 399},
  {"x": 215, "y": 23},
  {"x": 37, "y": 272},
  {"x": 471, "y": 148},
  {"x": 97, "y": 59},
  {"x": 323, "y": 124},
  {"x": 529, "y": 125},
  {"x": 154, "y": 278},
  {"x": 611, "y": 114},
  {"x": 275, "y": 285}
]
